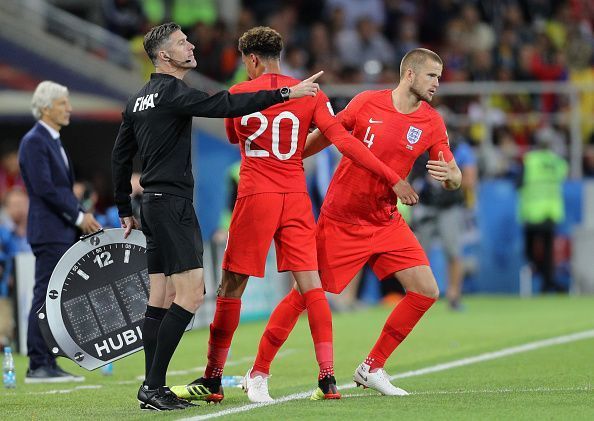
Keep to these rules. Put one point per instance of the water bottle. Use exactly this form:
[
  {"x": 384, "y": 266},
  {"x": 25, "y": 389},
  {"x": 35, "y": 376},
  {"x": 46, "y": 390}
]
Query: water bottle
[
  {"x": 107, "y": 370},
  {"x": 8, "y": 373},
  {"x": 231, "y": 381}
]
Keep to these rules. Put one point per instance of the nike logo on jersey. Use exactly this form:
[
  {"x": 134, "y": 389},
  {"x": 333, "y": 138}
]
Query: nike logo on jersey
[
  {"x": 144, "y": 102},
  {"x": 372, "y": 121}
]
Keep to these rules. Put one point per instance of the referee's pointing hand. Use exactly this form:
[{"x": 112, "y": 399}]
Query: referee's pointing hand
[{"x": 308, "y": 87}]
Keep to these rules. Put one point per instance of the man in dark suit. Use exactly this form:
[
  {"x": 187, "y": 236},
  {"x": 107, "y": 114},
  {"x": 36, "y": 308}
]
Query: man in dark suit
[{"x": 54, "y": 217}]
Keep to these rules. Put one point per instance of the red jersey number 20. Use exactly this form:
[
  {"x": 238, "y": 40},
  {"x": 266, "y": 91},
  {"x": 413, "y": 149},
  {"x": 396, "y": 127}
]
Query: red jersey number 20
[{"x": 264, "y": 122}]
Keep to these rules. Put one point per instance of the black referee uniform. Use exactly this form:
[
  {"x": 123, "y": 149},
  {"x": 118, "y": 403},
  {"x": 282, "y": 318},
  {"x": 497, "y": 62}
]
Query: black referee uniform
[{"x": 157, "y": 122}]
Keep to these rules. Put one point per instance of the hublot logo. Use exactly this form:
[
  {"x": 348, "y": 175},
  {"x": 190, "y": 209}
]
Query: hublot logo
[{"x": 127, "y": 337}]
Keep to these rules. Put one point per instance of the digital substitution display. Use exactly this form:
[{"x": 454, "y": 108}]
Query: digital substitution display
[
  {"x": 109, "y": 308},
  {"x": 131, "y": 290},
  {"x": 96, "y": 299},
  {"x": 103, "y": 323},
  {"x": 83, "y": 322}
]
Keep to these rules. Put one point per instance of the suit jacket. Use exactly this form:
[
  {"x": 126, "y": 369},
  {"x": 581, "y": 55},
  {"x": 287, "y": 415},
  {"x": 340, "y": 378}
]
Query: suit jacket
[{"x": 53, "y": 208}]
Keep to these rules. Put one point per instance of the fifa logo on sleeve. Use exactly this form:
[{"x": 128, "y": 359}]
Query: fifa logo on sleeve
[
  {"x": 413, "y": 135},
  {"x": 144, "y": 102}
]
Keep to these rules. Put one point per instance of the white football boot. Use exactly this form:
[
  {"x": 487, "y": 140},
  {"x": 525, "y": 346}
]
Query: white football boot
[
  {"x": 377, "y": 381},
  {"x": 256, "y": 388}
]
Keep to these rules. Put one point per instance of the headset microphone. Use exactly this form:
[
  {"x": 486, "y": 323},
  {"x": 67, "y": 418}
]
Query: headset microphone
[{"x": 177, "y": 61}]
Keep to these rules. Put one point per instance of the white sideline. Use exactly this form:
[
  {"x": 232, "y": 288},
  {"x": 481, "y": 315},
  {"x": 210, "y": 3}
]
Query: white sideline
[
  {"x": 531, "y": 346},
  {"x": 231, "y": 363},
  {"x": 248, "y": 359},
  {"x": 588, "y": 388}
]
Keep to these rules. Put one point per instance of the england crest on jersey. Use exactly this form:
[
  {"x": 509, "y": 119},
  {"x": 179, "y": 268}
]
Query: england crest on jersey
[{"x": 413, "y": 135}]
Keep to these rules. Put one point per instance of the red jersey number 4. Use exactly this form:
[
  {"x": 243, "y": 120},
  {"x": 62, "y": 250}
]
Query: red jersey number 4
[{"x": 368, "y": 139}]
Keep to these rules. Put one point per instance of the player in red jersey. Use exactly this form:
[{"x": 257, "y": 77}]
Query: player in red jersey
[
  {"x": 272, "y": 203},
  {"x": 359, "y": 221}
]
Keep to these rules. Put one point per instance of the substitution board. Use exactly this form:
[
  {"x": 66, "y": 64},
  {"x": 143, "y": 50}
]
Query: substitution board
[{"x": 96, "y": 299}]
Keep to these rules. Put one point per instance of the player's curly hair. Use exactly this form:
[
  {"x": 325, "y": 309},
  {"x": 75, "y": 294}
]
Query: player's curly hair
[
  {"x": 156, "y": 37},
  {"x": 414, "y": 58},
  {"x": 262, "y": 41}
]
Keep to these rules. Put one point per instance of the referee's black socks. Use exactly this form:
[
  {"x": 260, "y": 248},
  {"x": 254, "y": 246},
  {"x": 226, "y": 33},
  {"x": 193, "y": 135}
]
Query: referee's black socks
[
  {"x": 172, "y": 328},
  {"x": 150, "y": 330}
]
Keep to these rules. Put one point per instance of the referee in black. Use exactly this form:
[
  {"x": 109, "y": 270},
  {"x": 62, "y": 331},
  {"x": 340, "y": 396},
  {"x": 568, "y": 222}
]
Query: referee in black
[{"x": 157, "y": 123}]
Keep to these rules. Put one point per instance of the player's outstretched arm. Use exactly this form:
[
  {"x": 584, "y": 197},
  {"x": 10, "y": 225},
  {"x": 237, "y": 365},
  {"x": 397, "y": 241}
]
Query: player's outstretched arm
[
  {"x": 225, "y": 104},
  {"x": 307, "y": 87},
  {"x": 348, "y": 145},
  {"x": 316, "y": 141},
  {"x": 447, "y": 172}
]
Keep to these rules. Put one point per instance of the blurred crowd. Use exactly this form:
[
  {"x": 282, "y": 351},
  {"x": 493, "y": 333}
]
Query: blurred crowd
[
  {"x": 357, "y": 41},
  {"x": 363, "y": 41},
  {"x": 14, "y": 206}
]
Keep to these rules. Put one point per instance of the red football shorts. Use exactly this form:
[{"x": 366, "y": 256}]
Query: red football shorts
[
  {"x": 257, "y": 220},
  {"x": 344, "y": 248}
]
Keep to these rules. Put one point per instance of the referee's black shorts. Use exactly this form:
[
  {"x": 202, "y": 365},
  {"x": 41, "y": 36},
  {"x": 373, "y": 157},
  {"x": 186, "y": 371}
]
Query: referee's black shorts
[{"x": 173, "y": 239}]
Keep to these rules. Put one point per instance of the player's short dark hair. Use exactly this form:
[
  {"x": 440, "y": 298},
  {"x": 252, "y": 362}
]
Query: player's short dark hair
[
  {"x": 414, "y": 58},
  {"x": 156, "y": 37},
  {"x": 261, "y": 41}
]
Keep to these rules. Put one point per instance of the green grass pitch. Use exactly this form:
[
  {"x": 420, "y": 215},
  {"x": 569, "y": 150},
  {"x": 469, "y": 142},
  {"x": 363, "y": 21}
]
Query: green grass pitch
[{"x": 549, "y": 382}]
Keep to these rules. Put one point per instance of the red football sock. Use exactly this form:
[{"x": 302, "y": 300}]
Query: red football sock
[
  {"x": 320, "y": 324},
  {"x": 281, "y": 323},
  {"x": 399, "y": 324},
  {"x": 222, "y": 328}
]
